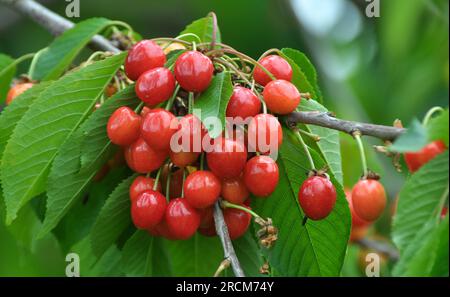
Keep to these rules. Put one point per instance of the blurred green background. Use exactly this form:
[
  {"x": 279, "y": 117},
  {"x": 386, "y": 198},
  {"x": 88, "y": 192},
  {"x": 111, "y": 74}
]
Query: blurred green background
[{"x": 370, "y": 69}]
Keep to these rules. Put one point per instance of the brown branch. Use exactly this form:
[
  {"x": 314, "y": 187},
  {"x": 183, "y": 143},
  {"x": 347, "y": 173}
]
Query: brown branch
[{"x": 380, "y": 247}]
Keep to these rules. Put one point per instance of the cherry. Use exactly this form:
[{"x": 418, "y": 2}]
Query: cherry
[
  {"x": 281, "y": 96},
  {"x": 193, "y": 71},
  {"x": 261, "y": 175},
  {"x": 123, "y": 126},
  {"x": 183, "y": 159},
  {"x": 143, "y": 56},
  {"x": 317, "y": 197},
  {"x": 358, "y": 233},
  {"x": 243, "y": 103},
  {"x": 191, "y": 132},
  {"x": 17, "y": 90},
  {"x": 276, "y": 65},
  {"x": 201, "y": 189},
  {"x": 261, "y": 129},
  {"x": 148, "y": 209},
  {"x": 209, "y": 231},
  {"x": 142, "y": 184},
  {"x": 158, "y": 127},
  {"x": 237, "y": 222},
  {"x": 142, "y": 158},
  {"x": 227, "y": 158},
  {"x": 155, "y": 86},
  {"x": 415, "y": 160},
  {"x": 207, "y": 226},
  {"x": 182, "y": 219},
  {"x": 369, "y": 199},
  {"x": 176, "y": 182},
  {"x": 234, "y": 190},
  {"x": 356, "y": 220},
  {"x": 145, "y": 110}
]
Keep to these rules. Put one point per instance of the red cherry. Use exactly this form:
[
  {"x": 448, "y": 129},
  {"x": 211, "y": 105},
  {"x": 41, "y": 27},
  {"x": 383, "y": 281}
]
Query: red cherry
[
  {"x": 142, "y": 184},
  {"x": 369, "y": 199},
  {"x": 182, "y": 219},
  {"x": 142, "y": 158},
  {"x": 276, "y": 65},
  {"x": 234, "y": 190},
  {"x": 183, "y": 159},
  {"x": 191, "y": 132},
  {"x": 143, "y": 56},
  {"x": 201, "y": 189},
  {"x": 176, "y": 182},
  {"x": 261, "y": 175},
  {"x": 227, "y": 158},
  {"x": 148, "y": 209},
  {"x": 193, "y": 71},
  {"x": 162, "y": 230},
  {"x": 444, "y": 212},
  {"x": 415, "y": 160},
  {"x": 207, "y": 226},
  {"x": 281, "y": 96},
  {"x": 237, "y": 221},
  {"x": 17, "y": 90},
  {"x": 261, "y": 130},
  {"x": 158, "y": 127},
  {"x": 155, "y": 86},
  {"x": 243, "y": 103},
  {"x": 356, "y": 220},
  {"x": 317, "y": 197},
  {"x": 123, "y": 126},
  {"x": 145, "y": 110}
]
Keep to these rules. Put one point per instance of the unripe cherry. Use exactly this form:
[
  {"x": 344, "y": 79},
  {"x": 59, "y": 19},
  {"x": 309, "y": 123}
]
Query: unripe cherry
[
  {"x": 261, "y": 176},
  {"x": 276, "y": 65},
  {"x": 148, "y": 209},
  {"x": 193, "y": 71},
  {"x": 155, "y": 86},
  {"x": 143, "y": 56},
  {"x": 369, "y": 199},
  {"x": 123, "y": 126},
  {"x": 317, "y": 197},
  {"x": 281, "y": 97}
]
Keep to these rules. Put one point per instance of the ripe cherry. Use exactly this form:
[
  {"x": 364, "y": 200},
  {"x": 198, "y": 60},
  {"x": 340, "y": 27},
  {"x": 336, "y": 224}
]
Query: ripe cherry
[
  {"x": 123, "y": 126},
  {"x": 234, "y": 190},
  {"x": 142, "y": 184},
  {"x": 143, "y": 56},
  {"x": 264, "y": 133},
  {"x": 207, "y": 226},
  {"x": 145, "y": 110},
  {"x": 191, "y": 132},
  {"x": 356, "y": 220},
  {"x": 142, "y": 158},
  {"x": 201, "y": 189},
  {"x": 158, "y": 127},
  {"x": 369, "y": 199},
  {"x": 276, "y": 65},
  {"x": 182, "y": 219},
  {"x": 176, "y": 182},
  {"x": 317, "y": 197},
  {"x": 183, "y": 159},
  {"x": 193, "y": 71},
  {"x": 237, "y": 221},
  {"x": 148, "y": 209},
  {"x": 243, "y": 103},
  {"x": 227, "y": 158},
  {"x": 155, "y": 86},
  {"x": 415, "y": 160},
  {"x": 261, "y": 175},
  {"x": 17, "y": 90},
  {"x": 281, "y": 96}
]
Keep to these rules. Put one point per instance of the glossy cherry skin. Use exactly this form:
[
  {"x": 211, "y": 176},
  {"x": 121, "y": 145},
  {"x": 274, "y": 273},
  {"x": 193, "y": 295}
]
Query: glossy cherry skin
[
  {"x": 183, "y": 159},
  {"x": 356, "y": 220},
  {"x": 369, "y": 199},
  {"x": 276, "y": 65},
  {"x": 17, "y": 90},
  {"x": 158, "y": 127},
  {"x": 202, "y": 189},
  {"x": 261, "y": 130},
  {"x": 243, "y": 103},
  {"x": 317, "y": 197},
  {"x": 193, "y": 71},
  {"x": 143, "y": 56},
  {"x": 261, "y": 176},
  {"x": 148, "y": 209},
  {"x": 237, "y": 222},
  {"x": 227, "y": 158},
  {"x": 190, "y": 134},
  {"x": 142, "y": 184},
  {"x": 281, "y": 96},
  {"x": 415, "y": 160},
  {"x": 234, "y": 190},
  {"x": 182, "y": 219},
  {"x": 123, "y": 126},
  {"x": 142, "y": 158},
  {"x": 155, "y": 86}
]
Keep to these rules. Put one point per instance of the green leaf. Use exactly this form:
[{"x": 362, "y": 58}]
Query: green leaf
[
  {"x": 437, "y": 128},
  {"x": 420, "y": 200},
  {"x": 144, "y": 255},
  {"x": 414, "y": 139},
  {"x": 212, "y": 103},
  {"x": 113, "y": 219},
  {"x": 7, "y": 72},
  {"x": 50, "y": 121},
  {"x": 203, "y": 28},
  {"x": 318, "y": 248},
  {"x": 57, "y": 57}
]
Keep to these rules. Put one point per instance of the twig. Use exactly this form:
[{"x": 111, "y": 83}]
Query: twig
[{"x": 380, "y": 247}]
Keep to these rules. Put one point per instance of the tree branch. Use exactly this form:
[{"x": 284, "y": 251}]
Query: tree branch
[{"x": 381, "y": 247}]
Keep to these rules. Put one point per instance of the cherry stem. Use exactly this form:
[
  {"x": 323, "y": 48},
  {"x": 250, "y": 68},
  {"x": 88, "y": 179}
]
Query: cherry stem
[
  {"x": 430, "y": 113},
  {"x": 306, "y": 149},
  {"x": 268, "y": 52},
  {"x": 169, "y": 178},
  {"x": 357, "y": 136},
  {"x": 184, "y": 179},
  {"x": 189, "y": 34},
  {"x": 194, "y": 46},
  {"x": 158, "y": 174},
  {"x": 202, "y": 161},
  {"x": 124, "y": 25},
  {"x": 224, "y": 265},
  {"x": 305, "y": 219},
  {"x": 167, "y": 39},
  {"x": 172, "y": 99},
  {"x": 139, "y": 107},
  {"x": 227, "y": 204},
  {"x": 314, "y": 137},
  {"x": 190, "y": 102}
]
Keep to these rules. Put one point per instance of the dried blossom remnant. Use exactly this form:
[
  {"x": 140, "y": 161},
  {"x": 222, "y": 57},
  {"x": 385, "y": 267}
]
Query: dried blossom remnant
[
  {"x": 265, "y": 269},
  {"x": 268, "y": 234}
]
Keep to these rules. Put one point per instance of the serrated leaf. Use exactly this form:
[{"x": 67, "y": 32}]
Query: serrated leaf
[
  {"x": 57, "y": 57},
  {"x": 414, "y": 139},
  {"x": 50, "y": 121},
  {"x": 299, "y": 78},
  {"x": 203, "y": 28},
  {"x": 318, "y": 248},
  {"x": 212, "y": 103},
  {"x": 437, "y": 127},
  {"x": 7, "y": 72}
]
